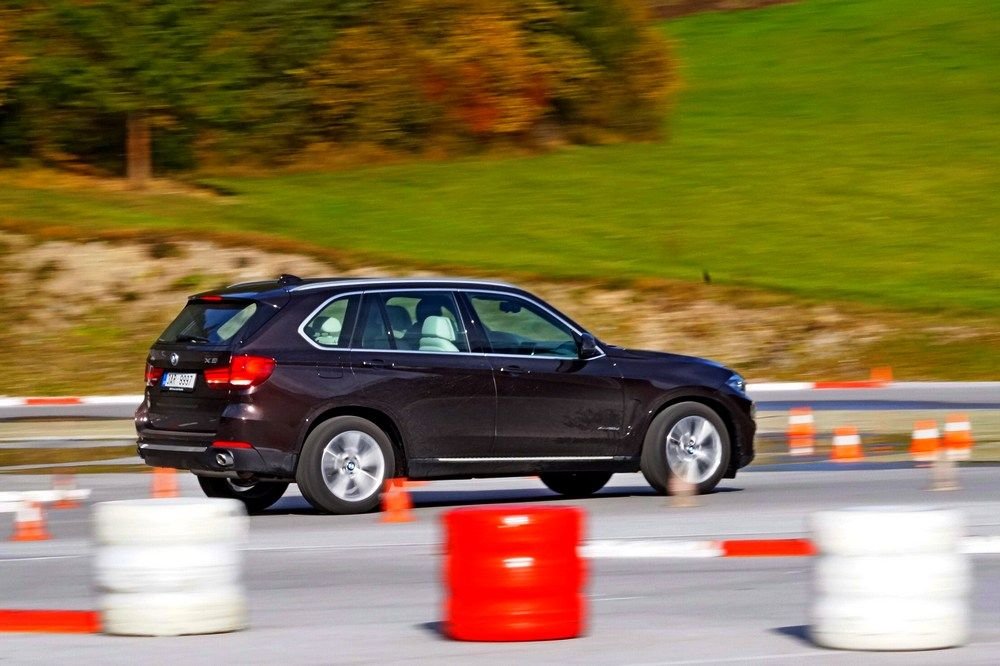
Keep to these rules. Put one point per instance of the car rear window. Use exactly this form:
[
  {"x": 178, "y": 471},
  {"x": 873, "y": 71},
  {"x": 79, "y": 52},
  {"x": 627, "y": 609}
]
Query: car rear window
[{"x": 209, "y": 323}]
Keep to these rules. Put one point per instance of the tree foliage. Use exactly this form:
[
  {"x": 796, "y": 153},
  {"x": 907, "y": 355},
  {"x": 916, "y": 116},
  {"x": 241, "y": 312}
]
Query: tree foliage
[
  {"x": 485, "y": 69},
  {"x": 232, "y": 78},
  {"x": 11, "y": 61}
]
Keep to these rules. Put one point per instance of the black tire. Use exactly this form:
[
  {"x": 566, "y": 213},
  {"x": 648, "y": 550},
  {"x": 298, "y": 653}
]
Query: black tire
[
  {"x": 656, "y": 460},
  {"x": 255, "y": 496},
  {"x": 575, "y": 484},
  {"x": 329, "y": 488}
]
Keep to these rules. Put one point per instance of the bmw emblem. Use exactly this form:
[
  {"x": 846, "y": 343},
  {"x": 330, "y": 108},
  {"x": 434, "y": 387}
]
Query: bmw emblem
[{"x": 175, "y": 359}]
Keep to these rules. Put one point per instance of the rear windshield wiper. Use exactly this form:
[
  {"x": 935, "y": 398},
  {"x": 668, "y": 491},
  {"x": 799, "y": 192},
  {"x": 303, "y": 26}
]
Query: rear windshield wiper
[{"x": 186, "y": 337}]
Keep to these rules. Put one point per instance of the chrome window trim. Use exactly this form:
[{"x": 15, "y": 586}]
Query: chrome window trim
[
  {"x": 361, "y": 293},
  {"x": 310, "y": 316}
]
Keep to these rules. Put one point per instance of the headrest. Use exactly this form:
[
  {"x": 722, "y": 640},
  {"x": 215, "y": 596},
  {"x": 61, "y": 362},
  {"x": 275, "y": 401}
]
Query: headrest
[
  {"x": 431, "y": 306},
  {"x": 438, "y": 327},
  {"x": 331, "y": 326},
  {"x": 399, "y": 318}
]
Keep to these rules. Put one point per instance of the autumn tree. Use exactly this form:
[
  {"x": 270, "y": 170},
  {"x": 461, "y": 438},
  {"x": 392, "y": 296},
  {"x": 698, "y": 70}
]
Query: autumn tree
[
  {"x": 228, "y": 79},
  {"x": 11, "y": 61},
  {"x": 417, "y": 69},
  {"x": 147, "y": 63}
]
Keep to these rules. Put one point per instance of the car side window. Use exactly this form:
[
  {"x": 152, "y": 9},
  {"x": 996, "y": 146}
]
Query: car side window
[
  {"x": 516, "y": 326},
  {"x": 413, "y": 321},
  {"x": 329, "y": 326}
]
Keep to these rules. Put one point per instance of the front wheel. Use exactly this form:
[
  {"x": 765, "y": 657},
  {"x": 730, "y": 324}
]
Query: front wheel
[
  {"x": 255, "y": 496},
  {"x": 575, "y": 484},
  {"x": 688, "y": 441},
  {"x": 344, "y": 464}
]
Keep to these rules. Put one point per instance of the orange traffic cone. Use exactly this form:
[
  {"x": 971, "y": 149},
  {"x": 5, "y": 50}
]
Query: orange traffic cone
[
  {"x": 396, "y": 502},
  {"x": 65, "y": 483},
  {"x": 29, "y": 523},
  {"x": 165, "y": 482},
  {"x": 925, "y": 441},
  {"x": 958, "y": 437},
  {"x": 881, "y": 375},
  {"x": 846, "y": 445},
  {"x": 801, "y": 431}
]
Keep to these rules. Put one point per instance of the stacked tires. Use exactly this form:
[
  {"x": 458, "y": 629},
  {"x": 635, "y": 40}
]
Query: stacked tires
[
  {"x": 890, "y": 578},
  {"x": 167, "y": 567}
]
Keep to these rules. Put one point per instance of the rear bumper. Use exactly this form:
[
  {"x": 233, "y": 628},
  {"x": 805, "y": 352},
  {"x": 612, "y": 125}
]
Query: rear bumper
[{"x": 202, "y": 457}]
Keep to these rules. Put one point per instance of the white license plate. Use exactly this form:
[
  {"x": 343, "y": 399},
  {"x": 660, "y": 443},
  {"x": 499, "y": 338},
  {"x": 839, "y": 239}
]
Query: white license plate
[{"x": 179, "y": 380}]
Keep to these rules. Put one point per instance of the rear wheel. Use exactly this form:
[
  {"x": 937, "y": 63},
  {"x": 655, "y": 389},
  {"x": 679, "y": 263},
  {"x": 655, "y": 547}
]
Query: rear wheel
[
  {"x": 575, "y": 484},
  {"x": 255, "y": 496},
  {"x": 344, "y": 464},
  {"x": 688, "y": 441}
]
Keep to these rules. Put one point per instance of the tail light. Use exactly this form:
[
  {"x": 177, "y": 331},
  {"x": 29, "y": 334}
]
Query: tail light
[
  {"x": 242, "y": 372},
  {"x": 153, "y": 375}
]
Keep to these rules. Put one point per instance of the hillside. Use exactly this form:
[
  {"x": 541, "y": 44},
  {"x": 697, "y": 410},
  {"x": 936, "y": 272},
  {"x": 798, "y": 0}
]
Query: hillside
[{"x": 840, "y": 151}]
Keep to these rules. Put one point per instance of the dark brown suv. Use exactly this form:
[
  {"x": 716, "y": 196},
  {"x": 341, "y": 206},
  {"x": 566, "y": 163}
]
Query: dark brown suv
[{"x": 341, "y": 384}]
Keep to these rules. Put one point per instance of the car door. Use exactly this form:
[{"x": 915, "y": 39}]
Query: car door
[
  {"x": 411, "y": 359},
  {"x": 551, "y": 403}
]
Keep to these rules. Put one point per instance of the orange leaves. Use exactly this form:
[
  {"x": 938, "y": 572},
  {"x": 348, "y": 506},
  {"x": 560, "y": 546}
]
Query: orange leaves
[{"x": 415, "y": 70}]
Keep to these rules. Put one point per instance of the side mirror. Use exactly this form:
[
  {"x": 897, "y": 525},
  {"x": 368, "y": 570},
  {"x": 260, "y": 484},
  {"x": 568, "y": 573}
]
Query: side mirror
[{"x": 587, "y": 346}]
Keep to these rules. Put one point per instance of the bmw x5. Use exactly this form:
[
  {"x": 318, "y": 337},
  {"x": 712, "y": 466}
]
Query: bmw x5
[{"x": 341, "y": 384}]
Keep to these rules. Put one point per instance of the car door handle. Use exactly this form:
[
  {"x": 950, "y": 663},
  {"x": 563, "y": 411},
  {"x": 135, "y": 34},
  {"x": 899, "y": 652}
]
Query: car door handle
[
  {"x": 513, "y": 370},
  {"x": 376, "y": 363}
]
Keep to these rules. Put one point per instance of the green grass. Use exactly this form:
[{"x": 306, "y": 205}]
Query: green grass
[
  {"x": 845, "y": 149},
  {"x": 48, "y": 456}
]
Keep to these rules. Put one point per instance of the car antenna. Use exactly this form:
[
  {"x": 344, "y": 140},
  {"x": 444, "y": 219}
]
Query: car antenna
[{"x": 287, "y": 278}]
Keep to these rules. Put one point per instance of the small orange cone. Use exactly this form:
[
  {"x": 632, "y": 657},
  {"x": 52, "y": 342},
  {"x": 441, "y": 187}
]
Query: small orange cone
[
  {"x": 65, "y": 483},
  {"x": 925, "y": 441},
  {"x": 396, "y": 502},
  {"x": 846, "y": 445},
  {"x": 29, "y": 523},
  {"x": 801, "y": 431},
  {"x": 165, "y": 482},
  {"x": 881, "y": 375},
  {"x": 958, "y": 437}
]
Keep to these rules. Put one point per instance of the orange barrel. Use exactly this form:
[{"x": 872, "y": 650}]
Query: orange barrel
[
  {"x": 846, "y": 445},
  {"x": 801, "y": 431},
  {"x": 925, "y": 441},
  {"x": 958, "y": 437},
  {"x": 514, "y": 574}
]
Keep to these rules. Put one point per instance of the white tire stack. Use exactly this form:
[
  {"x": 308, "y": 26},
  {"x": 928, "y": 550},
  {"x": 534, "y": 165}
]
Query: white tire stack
[
  {"x": 167, "y": 567},
  {"x": 890, "y": 578}
]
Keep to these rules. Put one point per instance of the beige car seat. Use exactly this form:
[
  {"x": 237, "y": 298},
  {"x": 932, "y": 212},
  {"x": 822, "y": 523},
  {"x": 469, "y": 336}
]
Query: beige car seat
[
  {"x": 329, "y": 332},
  {"x": 437, "y": 334}
]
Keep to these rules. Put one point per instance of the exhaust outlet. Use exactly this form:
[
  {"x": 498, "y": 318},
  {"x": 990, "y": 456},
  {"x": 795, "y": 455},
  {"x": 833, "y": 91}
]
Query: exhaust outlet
[{"x": 224, "y": 459}]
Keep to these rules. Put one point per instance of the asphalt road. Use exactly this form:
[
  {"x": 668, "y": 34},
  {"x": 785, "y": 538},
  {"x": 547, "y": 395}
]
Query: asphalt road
[{"x": 349, "y": 589}]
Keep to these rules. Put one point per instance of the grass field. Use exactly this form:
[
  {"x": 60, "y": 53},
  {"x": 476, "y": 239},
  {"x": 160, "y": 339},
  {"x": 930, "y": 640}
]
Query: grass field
[{"x": 845, "y": 149}]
